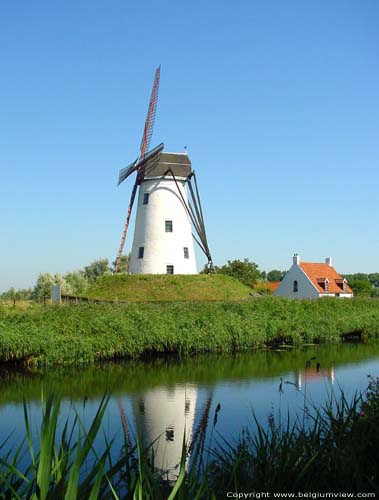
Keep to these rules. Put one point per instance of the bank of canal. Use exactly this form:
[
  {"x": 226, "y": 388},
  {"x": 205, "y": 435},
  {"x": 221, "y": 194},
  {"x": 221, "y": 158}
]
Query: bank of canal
[{"x": 85, "y": 333}]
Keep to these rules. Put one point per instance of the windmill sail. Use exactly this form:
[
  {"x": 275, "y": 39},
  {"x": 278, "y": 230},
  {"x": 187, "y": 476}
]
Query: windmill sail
[
  {"x": 151, "y": 112},
  {"x": 138, "y": 165}
]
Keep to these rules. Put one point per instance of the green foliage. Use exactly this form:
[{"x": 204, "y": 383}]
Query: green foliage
[
  {"x": 10, "y": 295},
  {"x": 370, "y": 406},
  {"x": 374, "y": 279},
  {"x": 262, "y": 288},
  {"x": 244, "y": 271},
  {"x": 332, "y": 449},
  {"x": 77, "y": 282},
  {"x": 360, "y": 286},
  {"x": 45, "y": 281},
  {"x": 124, "y": 264},
  {"x": 55, "y": 467},
  {"x": 96, "y": 269},
  {"x": 85, "y": 333},
  {"x": 42, "y": 289},
  {"x": 364, "y": 284},
  {"x": 62, "y": 282},
  {"x": 275, "y": 275},
  {"x": 17, "y": 295}
]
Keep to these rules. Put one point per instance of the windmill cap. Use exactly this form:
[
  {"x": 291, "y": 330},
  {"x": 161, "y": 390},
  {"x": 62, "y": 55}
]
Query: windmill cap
[{"x": 179, "y": 163}]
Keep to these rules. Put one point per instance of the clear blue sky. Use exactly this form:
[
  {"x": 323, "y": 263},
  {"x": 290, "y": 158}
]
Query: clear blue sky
[{"x": 278, "y": 103}]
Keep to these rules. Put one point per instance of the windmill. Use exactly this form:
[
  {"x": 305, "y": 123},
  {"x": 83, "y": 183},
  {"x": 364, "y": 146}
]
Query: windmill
[{"x": 167, "y": 221}]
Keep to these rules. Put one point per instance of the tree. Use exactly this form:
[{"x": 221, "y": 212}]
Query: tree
[
  {"x": 10, "y": 295},
  {"x": 14, "y": 295},
  {"x": 96, "y": 268},
  {"x": 61, "y": 281},
  {"x": 374, "y": 279},
  {"x": 275, "y": 275},
  {"x": 356, "y": 276},
  {"x": 245, "y": 271},
  {"x": 42, "y": 289},
  {"x": 124, "y": 264},
  {"x": 360, "y": 287},
  {"x": 77, "y": 282}
]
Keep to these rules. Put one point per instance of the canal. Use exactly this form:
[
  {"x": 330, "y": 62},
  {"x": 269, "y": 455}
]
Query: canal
[{"x": 166, "y": 397}]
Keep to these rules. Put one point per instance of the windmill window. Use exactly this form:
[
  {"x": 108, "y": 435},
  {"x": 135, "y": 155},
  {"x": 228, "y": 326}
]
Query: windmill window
[
  {"x": 170, "y": 433},
  {"x": 169, "y": 269},
  {"x": 145, "y": 198},
  {"x": 187, "y": 407},
  {"x": 186, "y": 252},
  {"x": 168, "y": 226},
  {"x": 141, "y": 251},
  {"x": 295, "y": 286}
]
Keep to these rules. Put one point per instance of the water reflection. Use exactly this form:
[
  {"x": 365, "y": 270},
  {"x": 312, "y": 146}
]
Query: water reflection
[
  {"x": 166, "y": 399},
  {"x": 310, "y": 373},
  {"x": 165, "y": 416}
]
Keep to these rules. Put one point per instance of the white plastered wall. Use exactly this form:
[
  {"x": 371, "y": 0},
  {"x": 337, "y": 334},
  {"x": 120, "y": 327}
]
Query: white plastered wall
[
  {"x": 162, "y": 248},
  {"x": 306, "y": 290}
]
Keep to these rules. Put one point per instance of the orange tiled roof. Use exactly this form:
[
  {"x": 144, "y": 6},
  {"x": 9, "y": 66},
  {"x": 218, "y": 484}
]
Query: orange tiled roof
[
  {"x": 272, "y": 285},
  {"x": 319, "y": 272}
]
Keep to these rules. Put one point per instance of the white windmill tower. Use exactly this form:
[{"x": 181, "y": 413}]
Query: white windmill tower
[
  {"x": 166, "y": 217},
  {"x": 164, "y": 416}
]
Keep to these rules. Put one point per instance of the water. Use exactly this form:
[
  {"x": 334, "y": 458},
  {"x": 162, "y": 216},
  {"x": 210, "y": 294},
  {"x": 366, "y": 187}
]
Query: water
[{"x": 168, "y": 397}]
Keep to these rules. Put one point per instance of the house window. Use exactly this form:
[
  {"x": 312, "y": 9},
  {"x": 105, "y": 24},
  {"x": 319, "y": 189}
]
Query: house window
[
  {"x": 141, "y": 251},
  {"x": 170, "y": 269},
  {"x": 168, "y": 226},
  {"x": 186, "y": 252},
  {"x": 295, "y": 286},
  {"x": 145, "y": 198},
  {"x": 341, "y": 283}
]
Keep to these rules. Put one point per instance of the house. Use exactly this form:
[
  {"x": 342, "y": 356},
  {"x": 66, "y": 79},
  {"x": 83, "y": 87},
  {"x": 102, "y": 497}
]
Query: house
[
  {"x": 310, "y": 280},
  {"x": 272, "y": 285}
]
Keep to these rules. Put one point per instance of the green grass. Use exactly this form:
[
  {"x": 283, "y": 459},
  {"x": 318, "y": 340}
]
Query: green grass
[
  {"x": 336, "y": 450},
  {"x": 85, "y": 333},
  {"x": 167, "y": 288}
]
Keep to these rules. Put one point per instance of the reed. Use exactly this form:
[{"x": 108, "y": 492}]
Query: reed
[
  {"x": 85, "y": 333},
  {"x": 338, "y": 450}
]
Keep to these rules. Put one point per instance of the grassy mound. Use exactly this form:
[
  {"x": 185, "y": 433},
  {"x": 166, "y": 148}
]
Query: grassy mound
[{"x": 167, "y": 288}]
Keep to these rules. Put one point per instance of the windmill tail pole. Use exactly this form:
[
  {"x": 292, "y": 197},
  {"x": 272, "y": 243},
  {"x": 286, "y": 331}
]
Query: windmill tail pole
[{"x": 130, "y": 207}]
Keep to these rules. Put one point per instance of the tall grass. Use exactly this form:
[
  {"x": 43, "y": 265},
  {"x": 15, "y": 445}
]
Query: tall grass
[
  {"x": 338, "y": 451},
  {"x": 85, "y": 333}
]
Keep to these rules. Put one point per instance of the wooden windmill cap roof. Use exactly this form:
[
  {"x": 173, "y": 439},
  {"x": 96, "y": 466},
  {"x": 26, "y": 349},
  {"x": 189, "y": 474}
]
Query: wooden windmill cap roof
[{"x": 158, "y": 165}]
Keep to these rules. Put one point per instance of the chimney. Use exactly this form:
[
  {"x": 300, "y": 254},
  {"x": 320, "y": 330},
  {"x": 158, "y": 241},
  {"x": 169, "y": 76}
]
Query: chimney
[
  {"x": 328, "y": 261},
  {"x": 296, "y": 259}
]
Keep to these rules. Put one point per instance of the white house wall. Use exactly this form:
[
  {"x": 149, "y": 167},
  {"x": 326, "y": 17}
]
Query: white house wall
[
  {"x": 306, "y": 290},
  {"x": 162, "y": 248}
]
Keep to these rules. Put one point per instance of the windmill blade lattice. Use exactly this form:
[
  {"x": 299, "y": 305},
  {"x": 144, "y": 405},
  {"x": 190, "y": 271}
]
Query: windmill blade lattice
[{"x": 135, "y": 166}]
